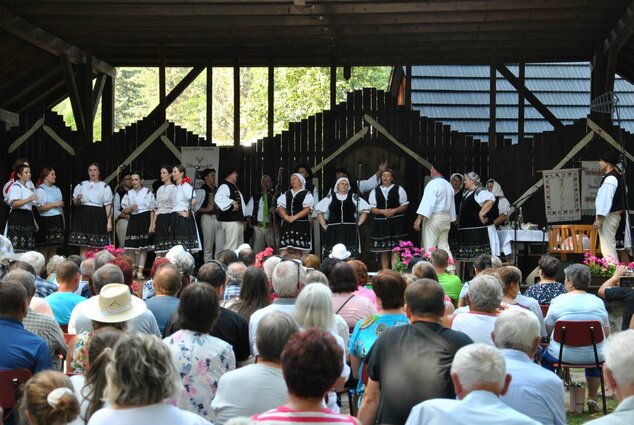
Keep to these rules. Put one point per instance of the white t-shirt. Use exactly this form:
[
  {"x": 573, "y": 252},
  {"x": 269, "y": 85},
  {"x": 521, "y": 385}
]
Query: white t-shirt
[
  {"x": 478, "y": 326},
  {"x": 153, "y": 414}
]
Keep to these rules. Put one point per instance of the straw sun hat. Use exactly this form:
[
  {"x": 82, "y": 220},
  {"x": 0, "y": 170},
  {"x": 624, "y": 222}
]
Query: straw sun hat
[{"x": 114, "y": 304}]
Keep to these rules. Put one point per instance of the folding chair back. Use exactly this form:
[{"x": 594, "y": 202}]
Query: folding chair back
[
  {"x": 544, "y": 308},
  {"x": 10, "y": 381}
]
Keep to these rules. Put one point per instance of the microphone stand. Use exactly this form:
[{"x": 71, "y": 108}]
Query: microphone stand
[
  {"x": 274, "y": 199},
  {"x": 190, "y": 210}
]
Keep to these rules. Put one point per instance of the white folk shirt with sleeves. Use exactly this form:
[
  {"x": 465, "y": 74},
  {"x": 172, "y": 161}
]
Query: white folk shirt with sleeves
[
  {"x": 94, "y": 194},
  {"x": 18, "y": 192},
  {"x": 48, "y": 195},
  {"x": 5, "y": 189},
  {"x": 605, "y": 195},
  {"x": 224, "y": 200},
  {"x": 309, "y": 201},
  {"x": 144, "y": 200},
  {"x": 438, "y": 197},
  {"x": 182, "y": 196},
  {"x": 369, "y": 184},
  {"x": 323, "y": 205},
  {"x": 402, "y": 196},
  {"x": 165, "y": 199}
]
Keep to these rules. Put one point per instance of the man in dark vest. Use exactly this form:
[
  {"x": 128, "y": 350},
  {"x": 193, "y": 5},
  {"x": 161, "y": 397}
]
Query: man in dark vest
[
  {"x": 207, "y": 213},
  {"x": 230, "y": 203},
  {"x": 609, "y": 205},
  {"x": 262, "y": 206},
  {"x": 121, "y": 218}
]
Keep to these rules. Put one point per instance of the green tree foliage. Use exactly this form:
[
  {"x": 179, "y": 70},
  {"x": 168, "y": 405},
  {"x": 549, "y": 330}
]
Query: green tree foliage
[{"x": 299, "y": 93}]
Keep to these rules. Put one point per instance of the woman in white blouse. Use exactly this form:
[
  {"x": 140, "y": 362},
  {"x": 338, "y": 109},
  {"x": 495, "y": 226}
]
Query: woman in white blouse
[
  {"x": 91, "y": 225},
  {"x": 183, "y": 229},
  {"x": 294, "y": 207},
  {"x": 139, "y": 204},
  {"x": 341, "y": 209},
  {"x": 162, "y": 217},
  {"x": 21, "y": 225},
  {"x": 50, "y": 205}
]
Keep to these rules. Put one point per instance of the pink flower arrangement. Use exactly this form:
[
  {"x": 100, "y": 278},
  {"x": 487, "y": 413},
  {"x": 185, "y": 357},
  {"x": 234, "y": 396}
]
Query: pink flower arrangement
[
  {"x": 110, "y": 248},
  {"x": 262, "y": 256},
  {"x": 604, "y": 267},
  {"x": 407, "y": 251}
]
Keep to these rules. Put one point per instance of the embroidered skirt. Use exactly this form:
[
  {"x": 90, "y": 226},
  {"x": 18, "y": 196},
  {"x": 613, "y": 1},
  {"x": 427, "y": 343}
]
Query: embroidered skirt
[
  {"x": 386, "y": 234},
  {"x": 472, "y": 242},
  {"x": 296, "y": 235},
  {"x": 345, "y": 233},
  {"x": 162, "y": 237},
  {"x": 184, "y": 232},
  {"x": 20, "y": 230},
  {"x": 137, "y": 236},
  {"x": 89, "y": 227},
  {"x": 51, "y": 230}
]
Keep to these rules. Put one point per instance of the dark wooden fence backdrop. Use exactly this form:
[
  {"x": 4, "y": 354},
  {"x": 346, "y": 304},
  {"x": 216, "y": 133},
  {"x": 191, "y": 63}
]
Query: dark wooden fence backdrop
[{"x": 515, "y": 166}]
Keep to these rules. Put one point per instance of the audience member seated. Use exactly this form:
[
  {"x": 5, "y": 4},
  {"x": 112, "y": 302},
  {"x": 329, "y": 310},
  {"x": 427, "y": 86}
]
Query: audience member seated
[
  {"x": 547, "y": 288},
  {"x": 269, "y": 265},
  {"x": 114, "y": 306},
  {"x": 39, "y": 305},
  {"x": 327, "y": 265},
  {"x": 397, "y": 381},
  {"x": 424, "y": 270},
  {"x": 64, "y": 300},
  {"x": 480, "y": 262},
  {"x": 361, "y": 273},
  {"x": 254, "y": 293},
  {"x": 314, "y": 310},
  {"x": 107, "y": 274},
  {"x": 20, "y": 348},
  {"x": 43, "y": 288},
  {"x": 612, "y": 291},
  {"x": 140, "y": 377},
  {"x": 148, "y": 286},
  {"x": 199, "y": 358},
  {"x": 479, "y": 375},
  {"x": 510, "y": 277},
  {"x": 450, "y": 283},
  {"x": 311, "y": 261},
  {"x": 619, "y": 377},
  {"x": 48, "y": 400},
  {"x": 259, "y": 387},
  {"x": 345, "y": 303},
  {"x": 51, "y": 267},
  {"x": 311, "y": 362},
  {"x": 40, "y": 324},
  {"x": 102, "y": 258},
  {"x": 167, "y": 283},
  {"x": 230, "y": 326},
  {"x": 89, "y": 388},
  {"x": 226, "y": 257},
  {"x": 86, "y": 269},
  {"x": 288, "y": 279},
  {"x": 235, "y": 271},
  {"x": 534, "y": 391},
  {"x": 389, "y": 287},
  {"x": 315, "y": 276},
  {"x": 577, "y": 304},
  {"x": 246, "y": 256},
  {"x": 484, "y": 298}
]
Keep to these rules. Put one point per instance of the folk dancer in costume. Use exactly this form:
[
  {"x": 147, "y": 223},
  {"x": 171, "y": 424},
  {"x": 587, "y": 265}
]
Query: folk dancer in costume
[
  {"x": 609, "y": 206},
  {"x": 161, "y": 219},
  {"x": 388, "y": 203},
  {"x": 436, "y": 210},
  {"x": 457, "y": 182},
  {"x": 50, "y": 205},
  {"x": 498, "y": 214},
  {"x": 121, "y": 219},
  {"x": 230, "y": 203},
  {"x": 183, "y": 229},
  {"x": 337, "y": 214},
  {"x": 12, "y": 179},
  {"x": 473, "y": 234},
  {"x": 260, "y": 209},
  {"x": 295, "y": 207},
  {"x": 140, "y": 204},
  {"x": 91, "y": 225},
  {"x": 208, "y": 221},
  {"x": 21, "y": 225}
]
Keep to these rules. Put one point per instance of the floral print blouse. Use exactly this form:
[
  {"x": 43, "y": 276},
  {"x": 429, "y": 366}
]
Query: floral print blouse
[
  {"x": 545, "y": 292},
  {"x": 201, "y": 360},
  {"x": 80, "y": 355}
]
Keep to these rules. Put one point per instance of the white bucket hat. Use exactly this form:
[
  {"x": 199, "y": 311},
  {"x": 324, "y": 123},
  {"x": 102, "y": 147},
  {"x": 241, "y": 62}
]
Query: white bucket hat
[
  {"x": 339, "y": 252},
  {"x": 114, "y": 304},
  {"x": 241, "y": 247}
]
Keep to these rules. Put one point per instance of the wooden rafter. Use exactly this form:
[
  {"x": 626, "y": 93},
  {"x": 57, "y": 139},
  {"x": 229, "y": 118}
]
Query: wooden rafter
[
  {"x": 73, "y": 92},
  {"x": 532, "y": 99},
  {"x": 622, "y": 31},
  {"x": 179, "y": 88},
  {"x": 97, "y": 92}
]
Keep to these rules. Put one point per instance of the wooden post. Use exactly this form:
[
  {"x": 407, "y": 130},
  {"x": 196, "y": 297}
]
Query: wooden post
[
  {"x": 210, "y": 115},
  {"x": 408, "y": 87},
  {"x": 521, "y": 99},
  {"x": 107, "y": 109},
  {"x": 236, "y": 105},
  {"x": 85, "y": 92},
  {"x": 333, "y": 87},
  {"x": 271, "y": 94},
  {"x": 492, "y": 101},
  {"x": 162, "y": 85}
]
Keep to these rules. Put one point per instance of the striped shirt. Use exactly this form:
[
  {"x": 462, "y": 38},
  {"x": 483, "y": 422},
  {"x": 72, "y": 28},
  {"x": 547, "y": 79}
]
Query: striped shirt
[{"x": 285, "y": 415}]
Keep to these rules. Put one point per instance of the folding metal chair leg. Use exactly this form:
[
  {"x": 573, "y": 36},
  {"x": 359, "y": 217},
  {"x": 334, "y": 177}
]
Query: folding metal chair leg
[{"x": 605, "y": 407}]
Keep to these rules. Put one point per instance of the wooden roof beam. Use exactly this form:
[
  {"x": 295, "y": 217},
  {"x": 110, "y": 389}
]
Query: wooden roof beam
[
  {"x": 30, "y": 33},
  {"x": 11, "y": 118},
  {"x": 532, "y": 99},
  {"x": 622, "y": 31}
]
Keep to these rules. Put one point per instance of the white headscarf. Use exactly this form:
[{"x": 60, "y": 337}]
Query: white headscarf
[
  {"x": 301, "y": 179},
  {"x": 339, "y": 180},
  {"x": 497, "y": 189},
  {"x": 461, "y": 179}
]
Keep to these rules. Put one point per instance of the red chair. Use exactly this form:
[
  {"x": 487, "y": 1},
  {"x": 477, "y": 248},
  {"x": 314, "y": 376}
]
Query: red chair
[
  {"x": 580, "y": 333},
  {"x": 10, "y": 382},
  {"x": 544, "y": 308}
]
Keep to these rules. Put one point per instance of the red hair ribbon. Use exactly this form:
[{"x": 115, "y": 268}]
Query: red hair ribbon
[
  {"x": 186, "y": 180},
  {"x": 39, "y": 182},
  {"x": 11, "y": 181}
]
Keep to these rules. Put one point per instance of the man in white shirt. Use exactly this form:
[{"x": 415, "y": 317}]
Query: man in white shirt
[
  {"x": 436, "y": 210},
  {"x": 619, "y": 376},
  {"x": 479, "y": 376},
  {"x": 483, "y": 299},
  {"x": 230, "y": 203},
  {"x": 534, "y": 391},
  {"x": 609, "y": 205}
]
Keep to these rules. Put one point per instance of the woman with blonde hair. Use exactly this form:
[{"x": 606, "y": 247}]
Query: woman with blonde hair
[{"x": 49, "y": 400}]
